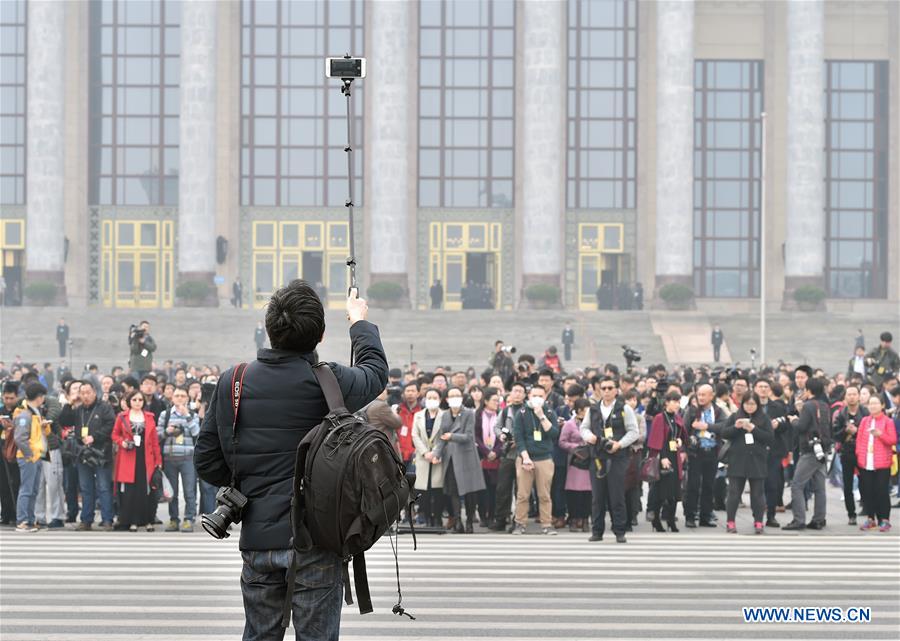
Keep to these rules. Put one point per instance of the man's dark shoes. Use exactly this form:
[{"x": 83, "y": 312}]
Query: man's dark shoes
[
  {"x": 620, "y": 538},
  {"x": 691, "y": 523},
  {"x": 816, "y": 525},
  {"x": 795, "y": 525},
  {"x": 707, "y": 524},
  {"x": 773, "y": 523},
  {"x": 595, "y": 537},
  {"x": 852, "y": 521}
]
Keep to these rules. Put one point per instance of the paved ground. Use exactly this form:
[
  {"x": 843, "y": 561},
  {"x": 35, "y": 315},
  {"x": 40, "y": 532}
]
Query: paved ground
[
  {"x": 67, "y": 586},
  {"x": 458, "y": 339}
]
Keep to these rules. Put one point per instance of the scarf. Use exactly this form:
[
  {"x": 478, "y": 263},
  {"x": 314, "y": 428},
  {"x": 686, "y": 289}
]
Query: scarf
[{"x": 488, "y": 420}]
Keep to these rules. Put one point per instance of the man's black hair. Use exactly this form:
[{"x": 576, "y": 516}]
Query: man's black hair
[
  {"x": 11, "y": 387},
  {"x": 575, "y": 390},
  {"x": 130, "y": 381},
  {"x": 546, "y": 371},
  {"x": 295, "y": 319},
  {"x": 816, "y": 387},
  {"x": 519, "y": 384},
  {"x": 34, "y": 391},
  {"x": 526, "y": 358},
  {"x": 149, "y": 377},
  {"x": 411, "y": 384}
]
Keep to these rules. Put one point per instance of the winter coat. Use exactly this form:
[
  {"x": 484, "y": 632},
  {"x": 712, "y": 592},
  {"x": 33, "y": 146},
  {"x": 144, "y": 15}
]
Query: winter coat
[
  {"x": 483, "y": 449},
  {"x": 141, "y": 355},
  {"x": 748, "y": 461},
  {"x": 424, "y": 444},
  {"x": 180, "y": 444},
  {"x": 659, "y": 438},
  {"x": 460, "y": 451},
  {"x": 882, "y": 444},
  {"x": 404, "y": 437},
  {"x": 577, "y": 480},
  {"x": 126, "y": 459},
  {"x": 30, "y": 435},
  {"x": 281, "y": 401}
]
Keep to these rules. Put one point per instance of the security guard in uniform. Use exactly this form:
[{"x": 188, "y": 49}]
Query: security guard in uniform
[{"x": 612, "y": 422}]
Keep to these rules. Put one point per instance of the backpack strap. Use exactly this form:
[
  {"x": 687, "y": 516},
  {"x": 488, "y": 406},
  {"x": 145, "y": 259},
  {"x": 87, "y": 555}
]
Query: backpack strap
[
  {"x": 361, "y": 583},
  {"x": 330, "y": 387}
]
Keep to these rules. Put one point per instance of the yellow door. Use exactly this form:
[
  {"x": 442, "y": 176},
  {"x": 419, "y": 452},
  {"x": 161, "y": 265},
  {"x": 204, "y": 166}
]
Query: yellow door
[
  {"x": 454, "y": 278},
  {"x": 589, "y": 268}
]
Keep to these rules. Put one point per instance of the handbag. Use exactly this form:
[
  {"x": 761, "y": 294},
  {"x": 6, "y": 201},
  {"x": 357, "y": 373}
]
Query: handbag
[
  {"x": 9, "y": 444},
  {"x": 650, "y": 469},
  {"x": 160, "y": 486},
  {"x": 581, "y": 457}
]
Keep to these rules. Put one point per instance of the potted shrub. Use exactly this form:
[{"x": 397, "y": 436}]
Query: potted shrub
[
  {"x": 193, "y": 293},
  {"x": 676, "y": 295},
  {"x": 542, "y": 295},
  {"x": 386, "y": 294},
  {"x": 40, "y": 293},
  {"x": 809, "y": 297}
]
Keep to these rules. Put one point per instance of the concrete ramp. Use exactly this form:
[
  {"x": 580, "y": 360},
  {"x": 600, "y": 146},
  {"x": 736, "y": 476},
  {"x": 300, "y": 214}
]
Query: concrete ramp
[{"x": 685, "y": 337}]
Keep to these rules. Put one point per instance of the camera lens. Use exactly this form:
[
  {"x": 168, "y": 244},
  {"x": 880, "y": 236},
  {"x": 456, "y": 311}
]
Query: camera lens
[{"x": 216, "y": 524}]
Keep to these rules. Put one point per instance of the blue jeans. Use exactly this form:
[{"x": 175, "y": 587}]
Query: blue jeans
[
  {"x": 316, "y": 601},
  {"x": 207, "y": 497},
  {"x": 185, "y": 467},
  {"x": 30, "y": 482},
  {"x": 95, "y": 482}
]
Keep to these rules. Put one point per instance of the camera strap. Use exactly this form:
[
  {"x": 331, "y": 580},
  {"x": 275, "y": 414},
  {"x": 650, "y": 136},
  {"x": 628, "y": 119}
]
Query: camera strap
[{"x": 237, "y": 386}]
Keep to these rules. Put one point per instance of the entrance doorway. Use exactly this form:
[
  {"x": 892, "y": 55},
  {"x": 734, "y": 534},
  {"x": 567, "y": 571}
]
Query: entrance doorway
[
  {"x": 314, "y": 251},
  {"x": 12, "y": 260},
  {"x": 137, "y": 263},
  {"x": 466, "y": 257},
  {"x": 600, "y": 265}
]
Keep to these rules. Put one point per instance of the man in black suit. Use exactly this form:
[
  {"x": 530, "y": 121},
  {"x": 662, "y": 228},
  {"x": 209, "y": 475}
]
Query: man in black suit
[{"x": 62, "y": 336}]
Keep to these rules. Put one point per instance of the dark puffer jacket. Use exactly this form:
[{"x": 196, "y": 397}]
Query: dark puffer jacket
[{"x": 280, "y": 403}]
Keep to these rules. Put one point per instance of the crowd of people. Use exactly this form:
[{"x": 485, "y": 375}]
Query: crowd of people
[{"x": 523, "y": 440}]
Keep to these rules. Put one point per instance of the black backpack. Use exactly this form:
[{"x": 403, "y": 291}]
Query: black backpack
[{"x": 349, "y": 488}]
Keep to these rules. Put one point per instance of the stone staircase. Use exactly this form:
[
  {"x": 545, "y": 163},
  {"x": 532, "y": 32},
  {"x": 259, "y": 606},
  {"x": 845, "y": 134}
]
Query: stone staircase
[{"x": 457, "y": 339}]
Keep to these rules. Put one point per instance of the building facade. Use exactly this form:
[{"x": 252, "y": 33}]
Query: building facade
[{"x": 497, "y": 145}]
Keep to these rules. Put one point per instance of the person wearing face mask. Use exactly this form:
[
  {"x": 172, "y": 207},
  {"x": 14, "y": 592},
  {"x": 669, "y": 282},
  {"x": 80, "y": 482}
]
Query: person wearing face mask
[
  {"x": 874, "y": 442},
  {"x": 490, "y": 451},
  {"x": 506, "y": 473},
  {"x": 846, "y": 424},
  {"x": 750, "y": 434},
  {"x": 536, "y": 432},
  {"x": 666, "y": 440},
  {"x": 429, "y": 471},
  {"x": 578, "y": 477},
  {"x": 613, "y": 421},
  {"x": 458, "y": 453}
]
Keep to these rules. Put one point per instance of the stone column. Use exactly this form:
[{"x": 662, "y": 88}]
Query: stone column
[
  {"x": 804, "y": 250},
  {"x": 387, "y": 86},
  {"x": 197, "y": 180},
  {"x": 44, "y": 172},
  {"x": 675, "y": 142},
  {"x": 543, "y": 197}
]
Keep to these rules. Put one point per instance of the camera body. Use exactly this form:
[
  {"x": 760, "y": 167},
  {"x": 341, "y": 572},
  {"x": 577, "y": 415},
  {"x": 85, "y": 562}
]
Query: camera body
[
  {"x": 603, "y": 447},
  {"x": 506, "y": 437},
  {"x": 135, "y": 333},
  {"x": 509, "y": 349},
  {"x": 229, "y": 505},
  {"x": 818, "y": 449}
]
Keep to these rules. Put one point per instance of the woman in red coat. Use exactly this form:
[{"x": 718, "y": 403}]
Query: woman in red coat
[
  {"x": 874, "y": 440},
  {"x": 138, "y": 455},
  {"x": 666, "y": 440}
]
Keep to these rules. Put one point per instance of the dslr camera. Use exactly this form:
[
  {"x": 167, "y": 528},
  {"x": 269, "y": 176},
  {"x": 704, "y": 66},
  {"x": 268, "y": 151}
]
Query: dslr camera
[
  {"x": 229, "y": 505},
  {"x": 506, "y": 437},
  {"x": 603, "y": 447}
]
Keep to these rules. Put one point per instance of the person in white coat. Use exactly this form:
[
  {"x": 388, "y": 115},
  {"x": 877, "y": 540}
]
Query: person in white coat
[{"x": 429, "y": 471}]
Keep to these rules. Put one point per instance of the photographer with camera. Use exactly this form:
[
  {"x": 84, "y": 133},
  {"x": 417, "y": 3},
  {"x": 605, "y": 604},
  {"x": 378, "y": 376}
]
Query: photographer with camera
[
  {"x": 94, "y": 422},
  {"x": 813, "y": 431},
  {"x": 141, "y": 347},
  {"x": 280, "y": 402},
  {"x": 177, "y": 431},
  {"x": 502, "y": 363},
  {"x": 882, "y": 359},
  {"x": 610, "y": 426},
  {"x": 536, "y": 433},
  {"x": 506, "y": 473}
]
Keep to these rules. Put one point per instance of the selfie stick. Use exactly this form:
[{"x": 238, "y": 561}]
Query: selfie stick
[{"x": 351, "y": 260}]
